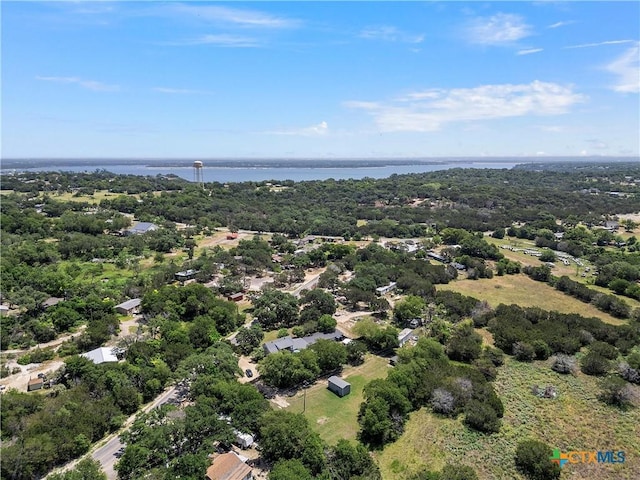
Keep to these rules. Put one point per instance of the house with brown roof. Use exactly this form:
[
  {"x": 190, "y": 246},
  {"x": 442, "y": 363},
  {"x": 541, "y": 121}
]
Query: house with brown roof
[{"x": 229, "y": 466}]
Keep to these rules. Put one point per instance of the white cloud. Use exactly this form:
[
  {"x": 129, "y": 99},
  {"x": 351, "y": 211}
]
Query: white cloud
[
  {"x": 390, "y": 34},
  {"x": 315, "y": 130},
  {"x": 220, "y": 40},
  {"x": 529, "y": 51},
  {"x": 502, "y": 28},
  {"x": 88, "y": 84},
  {"x": 561, "y": 24},
  {"x": 179, "y": 91},
  {"x": 627, "y": 68},
  {"x": 599, "y": 44},
  {"x": 235, "y": 16},
  {"x": 428, "y": 111}
]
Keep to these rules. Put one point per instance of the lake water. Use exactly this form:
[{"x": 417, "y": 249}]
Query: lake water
[{"x": 264, "y": 172}]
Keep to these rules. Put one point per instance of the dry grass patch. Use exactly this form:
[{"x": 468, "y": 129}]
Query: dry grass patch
[
  {"x": 575, "y": 420},
  {"x": 523, "y": 291}
]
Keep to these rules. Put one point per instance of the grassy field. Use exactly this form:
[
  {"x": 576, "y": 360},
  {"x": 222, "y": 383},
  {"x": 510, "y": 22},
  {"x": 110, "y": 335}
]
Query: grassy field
[
  {"x": 521, "y": 290},
  {"x": 575, "y": 420},
  {"x": 334, "y": 417}
]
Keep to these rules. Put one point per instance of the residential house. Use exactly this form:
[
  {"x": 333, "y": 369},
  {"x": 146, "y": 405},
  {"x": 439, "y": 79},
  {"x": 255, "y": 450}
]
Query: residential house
[
  {"x": 339, "y": 386},
  {"x": 140, "y": 228},
  {"x": 4, "y": 310},
  {"x": 236, "y": 297},
  {"x": 404, "y": 336},
  {"x": 130, "y": 307},
  {"x": 297, "y": 344},
  {"x": 386, "y": 289},
  {"x": 100, "y": 355},
  {"x": 229, "y": 466},
  {"x": 186, "y": 275},
  {"x": 51, "y": 301}
]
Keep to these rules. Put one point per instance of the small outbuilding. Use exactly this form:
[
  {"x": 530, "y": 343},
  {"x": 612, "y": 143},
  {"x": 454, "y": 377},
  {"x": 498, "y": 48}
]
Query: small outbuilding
[
  {"x": 35, "y": 384},
  {"x": 339, "y": 386},
  {"x": 130, "y": 307}
]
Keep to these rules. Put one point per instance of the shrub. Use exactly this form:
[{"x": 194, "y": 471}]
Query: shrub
[
  {"x": 495, "y": 355},
  {"x": 564, "y": 364},
  {"x": 442, "y": 401},
  {"x": 543, "y": 351},
  {"x": 458, "y": 472},
  {"x": 615, "y": 391},
  {"x": 523, "y": 351},
  {"x": 487, "y": 368},
  {"x": 604, "y": 349},
  {"x": 629, "y": 374},
  {"x": 482, "y": 417},
  {"x": 634, "y": 360},
  {"x": 594, "y": 364},
  {"x": 533, "y": 460}
]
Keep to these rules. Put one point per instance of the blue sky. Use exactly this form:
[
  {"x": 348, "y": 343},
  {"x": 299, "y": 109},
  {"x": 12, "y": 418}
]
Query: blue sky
[{"x": 328, "y": 79}]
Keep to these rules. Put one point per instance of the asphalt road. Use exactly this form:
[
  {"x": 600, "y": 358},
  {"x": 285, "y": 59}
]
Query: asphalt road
[{"x": 106, "y": 454}]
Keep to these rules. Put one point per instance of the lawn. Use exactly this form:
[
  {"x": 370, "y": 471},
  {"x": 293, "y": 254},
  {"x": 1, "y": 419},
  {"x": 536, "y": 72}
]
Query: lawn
[
  {"x": 523, "y": 291},
  {"x": 334, "y": 417},
  {"x": 575, "y": 420}
]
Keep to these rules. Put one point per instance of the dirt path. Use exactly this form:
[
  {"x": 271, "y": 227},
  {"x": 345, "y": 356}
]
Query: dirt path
[
  {"x": 20, "y": 380},
  {"x": 52, "y": 343}
]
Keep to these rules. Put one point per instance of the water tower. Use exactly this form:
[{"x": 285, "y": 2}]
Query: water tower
[{"x": 197, "y": 173}]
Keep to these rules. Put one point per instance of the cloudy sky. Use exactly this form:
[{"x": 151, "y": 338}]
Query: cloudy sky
[{"x": 328, "y": 79}]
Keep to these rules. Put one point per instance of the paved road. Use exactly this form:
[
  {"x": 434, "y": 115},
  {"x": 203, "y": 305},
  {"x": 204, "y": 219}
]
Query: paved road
[{"x": 106, "y": 454}]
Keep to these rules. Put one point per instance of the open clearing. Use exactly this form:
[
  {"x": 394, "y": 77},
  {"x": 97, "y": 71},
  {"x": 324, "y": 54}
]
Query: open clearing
[
  {"x": 523, "y": 291},
  {"x": 334, "y": 417},
  {"x": 575, "y": 420}
]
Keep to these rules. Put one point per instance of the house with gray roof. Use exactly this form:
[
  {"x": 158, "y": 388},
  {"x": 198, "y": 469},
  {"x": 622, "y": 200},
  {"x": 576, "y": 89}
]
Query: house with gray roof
[
  {"x": 130, "y": 307},
  {"x": 297, "y": 344},
  {"x": 140, "y": 228}
]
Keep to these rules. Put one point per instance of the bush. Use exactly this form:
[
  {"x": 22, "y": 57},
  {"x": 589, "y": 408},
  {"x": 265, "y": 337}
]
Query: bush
[
  {"x": 481, "y": 417},
  {"x": 533, "y": 460},
  {"x": 495, "y": 355},
  {"x": 442, "y": 401},
  {"x": 615, "y": 391},
  {"x": 523, "y": 351},
  {"x": 629, "y": 374},
  {"x": 564, "y": 364},
  {"x": 458, "y": 472},
  {"x": 543, "y": 351},
  {"x": 594, "y": 364},
  {"x": 604, "y": 349}
]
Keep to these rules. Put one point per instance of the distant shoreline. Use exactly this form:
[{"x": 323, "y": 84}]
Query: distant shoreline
[{"x": 40, "y": 163}]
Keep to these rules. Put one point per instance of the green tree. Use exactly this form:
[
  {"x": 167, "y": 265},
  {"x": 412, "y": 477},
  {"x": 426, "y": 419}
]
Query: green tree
[
  {"x": 286, "y": 436},
  {"x": 533, "y": 459},
  {"x": 292, "y": 469},
  {"x": 274, "y": 309},
  {"x": 331, "y": 354},
  {"x": 86, "y": 469},
  {"x": 409, "y": 308}
]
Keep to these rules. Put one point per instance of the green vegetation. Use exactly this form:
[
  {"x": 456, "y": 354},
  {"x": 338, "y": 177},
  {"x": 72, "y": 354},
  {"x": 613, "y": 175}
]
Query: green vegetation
[
  {"x": 336, "y": 417},
  {"x": 575, "y": 420},
  {"x": 62, "y": 236}
]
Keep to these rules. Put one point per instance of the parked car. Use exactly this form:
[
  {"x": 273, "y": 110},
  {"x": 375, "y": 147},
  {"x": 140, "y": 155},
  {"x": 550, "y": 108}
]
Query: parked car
[{"x": 249, "y": 372}]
